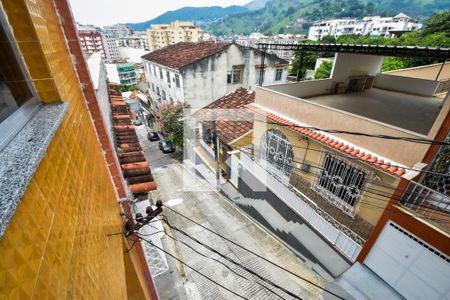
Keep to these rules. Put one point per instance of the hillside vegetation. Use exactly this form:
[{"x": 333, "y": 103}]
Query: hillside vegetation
[
  {"x": 278, "y": 14},
  {"x": 199, "y": 14},
  {"x": 436, "y": 33}
]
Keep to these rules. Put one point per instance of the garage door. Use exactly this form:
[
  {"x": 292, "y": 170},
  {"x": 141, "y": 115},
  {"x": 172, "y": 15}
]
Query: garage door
[{"x": 412, "y": 267}]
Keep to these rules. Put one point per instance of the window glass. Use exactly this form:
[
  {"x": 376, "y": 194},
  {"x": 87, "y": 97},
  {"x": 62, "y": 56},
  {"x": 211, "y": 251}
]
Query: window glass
[
  {"x": 177, "y": 80},
  {"x": 14, "y": 89},
  {"x": 278, "y": 74}
]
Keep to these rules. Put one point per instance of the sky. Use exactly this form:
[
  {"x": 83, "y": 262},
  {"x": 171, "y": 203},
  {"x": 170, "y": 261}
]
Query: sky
[{"x": 107, "y": 12}]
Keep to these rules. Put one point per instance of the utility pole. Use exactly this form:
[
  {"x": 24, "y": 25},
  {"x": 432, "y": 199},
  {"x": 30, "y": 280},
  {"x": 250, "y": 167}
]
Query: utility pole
[{"x": 215, "y": 141}]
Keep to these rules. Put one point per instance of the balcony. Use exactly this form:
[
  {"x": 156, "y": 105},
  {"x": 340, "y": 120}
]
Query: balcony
[
  {"x": 377, "y": 104},
  {"x": 428, "y": 204}
]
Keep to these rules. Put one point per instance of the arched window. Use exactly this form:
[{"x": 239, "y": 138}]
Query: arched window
[{"x": 277, "y": 151}]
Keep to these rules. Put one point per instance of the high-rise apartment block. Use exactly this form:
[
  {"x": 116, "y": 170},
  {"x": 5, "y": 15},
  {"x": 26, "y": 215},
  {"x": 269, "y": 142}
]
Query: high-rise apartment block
[
  {"x": 93, "y": 40},
  {"x": 161, "y": 35},
  {"x": 373, "y": 26}
]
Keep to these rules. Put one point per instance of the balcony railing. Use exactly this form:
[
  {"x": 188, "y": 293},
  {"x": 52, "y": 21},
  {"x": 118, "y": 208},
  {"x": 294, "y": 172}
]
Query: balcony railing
[
  {"x": 342, "y": 237},
  {"x": 428, "y": 204}
]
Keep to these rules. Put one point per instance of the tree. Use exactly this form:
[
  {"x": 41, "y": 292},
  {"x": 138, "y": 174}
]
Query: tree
[
  {"x": 324, "y": 71},
  {"x": 439, "y": 22},
  {"x": 170, "y": 119}
]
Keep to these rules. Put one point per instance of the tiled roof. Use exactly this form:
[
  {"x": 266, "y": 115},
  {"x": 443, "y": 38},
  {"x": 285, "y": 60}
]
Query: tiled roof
[
  {"x": 229, "y": 111},
  {"x": 334, "y": 143},
  {"x": 134, "y": 166},
  {"x": 182, "y": 54}
]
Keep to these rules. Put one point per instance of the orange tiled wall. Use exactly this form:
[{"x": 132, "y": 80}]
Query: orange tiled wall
[{"x": 55, "y": 246}]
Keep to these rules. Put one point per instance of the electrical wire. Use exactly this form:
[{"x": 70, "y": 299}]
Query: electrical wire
[
  {"x": 231, "y": 260},
  {"x": 252, "y": 252},
  {"x": 379, "y": 136},
  {"x": 388, "y": 197},
  {"x": 354, "y": 158},
  {"x": 218, "y": 261},
  {"x": 193, "y": 269},
  {"x": 367, "y": 189}
]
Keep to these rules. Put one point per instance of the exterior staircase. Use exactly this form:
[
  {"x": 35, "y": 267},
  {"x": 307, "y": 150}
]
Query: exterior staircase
[{"x": 297, "y": 236}]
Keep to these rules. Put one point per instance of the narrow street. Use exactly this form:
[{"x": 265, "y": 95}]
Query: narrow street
[{"x": 182, "y": 191}]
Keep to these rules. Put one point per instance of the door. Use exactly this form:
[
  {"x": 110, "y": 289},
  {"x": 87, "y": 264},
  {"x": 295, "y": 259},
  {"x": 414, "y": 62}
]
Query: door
[{"x": 412, "y": 267}]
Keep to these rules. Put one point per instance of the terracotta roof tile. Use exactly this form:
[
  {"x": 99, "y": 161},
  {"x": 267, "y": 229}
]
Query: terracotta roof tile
[
  {"x": 229, "y": 108},
  {"x": 134, "y": 166},
  {"x": 182, "y": 54}
]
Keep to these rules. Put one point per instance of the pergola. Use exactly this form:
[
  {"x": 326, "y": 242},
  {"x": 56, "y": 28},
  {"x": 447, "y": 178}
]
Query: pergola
[{"x": 383, "y": 50}]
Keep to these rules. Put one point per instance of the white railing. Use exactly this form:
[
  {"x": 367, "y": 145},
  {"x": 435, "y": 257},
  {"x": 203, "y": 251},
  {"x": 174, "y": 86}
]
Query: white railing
[{"x": 344, "y": 239}]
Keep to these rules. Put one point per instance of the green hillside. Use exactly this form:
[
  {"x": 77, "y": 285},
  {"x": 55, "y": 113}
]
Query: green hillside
[
  {"x": 199, "y": 14},
  {"x": 279, "y": 16}
]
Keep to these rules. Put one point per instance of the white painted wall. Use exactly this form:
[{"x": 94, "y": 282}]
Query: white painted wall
[
  {"x": 348, "y": 64},
  {"x": 172, "y": 92},
  {"x": 304, "y": 89},
  {"x": 422, "y": 87},
  {"x": 206, "y": 80}
]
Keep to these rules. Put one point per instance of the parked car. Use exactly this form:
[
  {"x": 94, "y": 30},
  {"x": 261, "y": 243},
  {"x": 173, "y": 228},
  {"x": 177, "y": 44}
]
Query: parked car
[
  {"x": 153, "y": 136},
  {"x": 137, "y": 123},
  {"x": 166, "y": 146}
]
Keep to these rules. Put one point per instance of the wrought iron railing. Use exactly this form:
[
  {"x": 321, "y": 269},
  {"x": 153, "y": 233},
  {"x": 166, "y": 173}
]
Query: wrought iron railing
[
  {"x": 327, "y": 217},
  {"x": 428, "y": 204}
]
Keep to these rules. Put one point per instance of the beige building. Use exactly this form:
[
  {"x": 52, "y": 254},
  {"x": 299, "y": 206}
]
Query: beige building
[
  {"x": 338, "y": 183},
  {"x": 161, "y": 35}
]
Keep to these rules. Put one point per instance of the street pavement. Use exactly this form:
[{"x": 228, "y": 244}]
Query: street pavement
[
  {"x": 154, "y": 156},
  {"x": 193, "y": 197}
]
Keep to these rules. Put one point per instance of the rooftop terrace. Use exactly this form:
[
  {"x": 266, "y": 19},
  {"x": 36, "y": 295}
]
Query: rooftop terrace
[{"x": 411, "y": 112}]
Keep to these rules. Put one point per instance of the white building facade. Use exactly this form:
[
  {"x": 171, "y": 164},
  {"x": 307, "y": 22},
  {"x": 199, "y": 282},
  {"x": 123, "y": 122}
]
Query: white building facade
[
  {"x": 373, "y": 26},
  {"x": 210, "y": 77}
]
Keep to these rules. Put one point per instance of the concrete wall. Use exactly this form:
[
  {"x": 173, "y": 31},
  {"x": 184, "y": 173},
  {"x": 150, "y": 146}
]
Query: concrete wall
[
  {"x": 353, "y": 65},
  {"x": 416, "y": 86},
  {"x": 154, "y": 81},
  {"x": 429, "y": 72},
  {"x": 324, "y": 117},
  {"x": 304, "y": 89}
]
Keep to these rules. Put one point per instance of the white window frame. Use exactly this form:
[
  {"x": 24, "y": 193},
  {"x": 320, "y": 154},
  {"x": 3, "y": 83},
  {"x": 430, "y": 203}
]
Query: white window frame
[{"x": 15, "y": 122}]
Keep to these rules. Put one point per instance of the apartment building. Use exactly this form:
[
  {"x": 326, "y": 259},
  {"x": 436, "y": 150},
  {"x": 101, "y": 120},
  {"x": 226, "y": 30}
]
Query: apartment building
[
  {"x": 60, "y": 181},
  {"x": 338, "y": 189},
  {"x": 93, "y": 40},
  {"x": 118, "y": 30},
  {"x": 162, "y": 35},
  {"x": 373, "y": 26},
  {"x": 127, "y": 74},
  {"x": 200, "y": 73},
  {"x": 138, "y": 40},
  {"x": 254, "y": 39},
  {"x": 110, "y": 48}
]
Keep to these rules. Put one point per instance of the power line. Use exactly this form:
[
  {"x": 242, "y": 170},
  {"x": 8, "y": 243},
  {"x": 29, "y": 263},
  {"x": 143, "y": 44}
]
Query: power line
[
  {"x": 252, "y": 252},
  {"x": 218, "y": 261},
  {"x": 231, "y": 260},
  {"x": 368, "y": 189},
  {"x": 193, "y": 269},
  {"x": 371, "y": 191},
  {"x": 379, "y": 136},
  {"x": 357, "y": 158}
]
